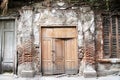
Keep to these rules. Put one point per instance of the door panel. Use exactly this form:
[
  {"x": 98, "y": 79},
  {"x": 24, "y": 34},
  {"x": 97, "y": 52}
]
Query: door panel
[
  {"x": 59, "y": 56},
  {"x": 9, "y": 24},
  {"x": 8, "y": 46},
  {"x": 71, "y": 58},
  {"x": 47, "y": 66}
]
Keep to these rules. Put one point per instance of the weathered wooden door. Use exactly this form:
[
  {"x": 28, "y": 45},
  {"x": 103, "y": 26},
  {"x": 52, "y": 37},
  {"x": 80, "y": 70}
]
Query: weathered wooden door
[
  {"x": 7, "y": 45},
  {"x": 59, "y": 51}
]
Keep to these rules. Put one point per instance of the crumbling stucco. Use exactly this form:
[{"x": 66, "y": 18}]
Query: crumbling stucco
[
  {"x": 25, "y": 41},
  {"x": 82, "y": 18}
]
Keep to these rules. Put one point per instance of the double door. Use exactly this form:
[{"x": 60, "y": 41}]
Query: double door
[{"x": 59, "y": 53}]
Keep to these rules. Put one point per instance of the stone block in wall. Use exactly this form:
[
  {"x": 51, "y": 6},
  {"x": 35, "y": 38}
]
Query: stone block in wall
[
  {"x": 29, "y": 73},
  {"x": 25, "y": 68},
  {"x": 89, "y": 74}
]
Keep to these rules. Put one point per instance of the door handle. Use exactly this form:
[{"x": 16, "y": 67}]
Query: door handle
[
  {"x": 1, "y": 58},
  {"x": 53, "y": 50},
  {"x": 53, "y": 56}
]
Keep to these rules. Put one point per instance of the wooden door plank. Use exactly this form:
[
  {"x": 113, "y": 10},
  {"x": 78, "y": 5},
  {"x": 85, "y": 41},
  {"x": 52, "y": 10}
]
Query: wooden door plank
[
  {"x": 59, "y": 56},
  {"x": 64, "y": 33},
  {"x": 117, "y": 38},
  {"x": 71, "y": 58},
  {"x": 47, "y": 32},
  {"x": 110, "y": 38},
  {"x": 47, "y": 66},
  {"x": 59, "y": 32}
]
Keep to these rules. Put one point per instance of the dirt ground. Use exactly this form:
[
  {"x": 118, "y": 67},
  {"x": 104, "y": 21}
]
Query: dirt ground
[{"x": 8, "y": 76}]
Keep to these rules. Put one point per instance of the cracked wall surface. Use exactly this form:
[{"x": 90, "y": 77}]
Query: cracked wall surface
[{"x": 29, "y": 27}]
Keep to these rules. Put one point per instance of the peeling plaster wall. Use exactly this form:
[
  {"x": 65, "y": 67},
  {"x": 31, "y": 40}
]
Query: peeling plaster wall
[
  {"x": 25, "y": 46},
  {"x": 82, "y": 18}
]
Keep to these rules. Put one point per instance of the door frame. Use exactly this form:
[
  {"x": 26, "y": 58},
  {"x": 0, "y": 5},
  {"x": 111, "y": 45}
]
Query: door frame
[
  {"x": 15, "y": 48},
  {"x": 40, "y": 40}
]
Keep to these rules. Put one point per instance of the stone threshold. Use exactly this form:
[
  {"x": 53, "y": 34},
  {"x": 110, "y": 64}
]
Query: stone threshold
[{"x": 111, "y": 60}]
